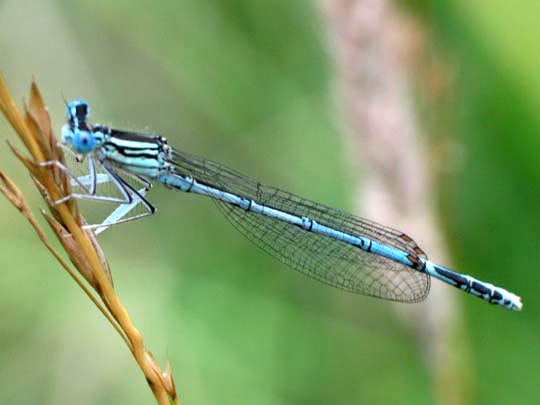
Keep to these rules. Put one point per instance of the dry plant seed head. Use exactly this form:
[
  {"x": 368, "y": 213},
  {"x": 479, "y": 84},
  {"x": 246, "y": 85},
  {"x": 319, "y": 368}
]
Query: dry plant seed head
[{"x": 79, "y": 243}]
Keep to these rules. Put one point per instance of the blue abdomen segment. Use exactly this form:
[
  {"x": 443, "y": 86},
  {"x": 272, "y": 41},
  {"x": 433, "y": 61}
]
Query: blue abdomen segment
[
  {"x": 395, "y": 254},
  {"x": 486, "y": 291},
  {"x": 188, "y": 184}
]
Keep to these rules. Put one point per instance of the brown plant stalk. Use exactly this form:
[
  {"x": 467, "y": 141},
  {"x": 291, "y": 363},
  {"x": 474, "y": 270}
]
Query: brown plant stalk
[{"x": 88, "y": 260}]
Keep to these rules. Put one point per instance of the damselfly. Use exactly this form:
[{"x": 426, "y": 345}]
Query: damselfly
[{"x": 334, "y": 247}]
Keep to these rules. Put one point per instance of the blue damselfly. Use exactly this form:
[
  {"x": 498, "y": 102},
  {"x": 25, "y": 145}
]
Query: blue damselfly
[{"x": 339, "y": 249}]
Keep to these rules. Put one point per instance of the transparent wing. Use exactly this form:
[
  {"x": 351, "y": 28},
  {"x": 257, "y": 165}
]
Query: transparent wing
[{"x": 328, "y": 260}]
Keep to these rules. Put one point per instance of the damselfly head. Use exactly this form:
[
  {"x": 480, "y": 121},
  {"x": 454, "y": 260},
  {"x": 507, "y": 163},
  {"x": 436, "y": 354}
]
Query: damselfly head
[{"x": 77, "y": 133}]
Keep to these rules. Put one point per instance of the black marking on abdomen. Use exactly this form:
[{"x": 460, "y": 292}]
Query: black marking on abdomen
[
  {"x": 368, "y": 249},
  {"x": 190, "y": 184},
  {"x": 307, "y": 220},
  {"x": 459, "y": 279},
  {"x": 482, "y": 289}
]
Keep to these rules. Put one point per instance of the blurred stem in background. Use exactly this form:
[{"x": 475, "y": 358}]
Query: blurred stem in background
[{"x": 378, "y": 50}]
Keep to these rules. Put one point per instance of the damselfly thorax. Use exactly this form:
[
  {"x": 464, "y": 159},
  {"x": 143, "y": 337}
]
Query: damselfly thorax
[{"x": 144, "y": 155}]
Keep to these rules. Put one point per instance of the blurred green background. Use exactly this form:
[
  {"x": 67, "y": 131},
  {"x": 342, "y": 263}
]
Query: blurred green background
[{"x": 249, "y": 83}]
